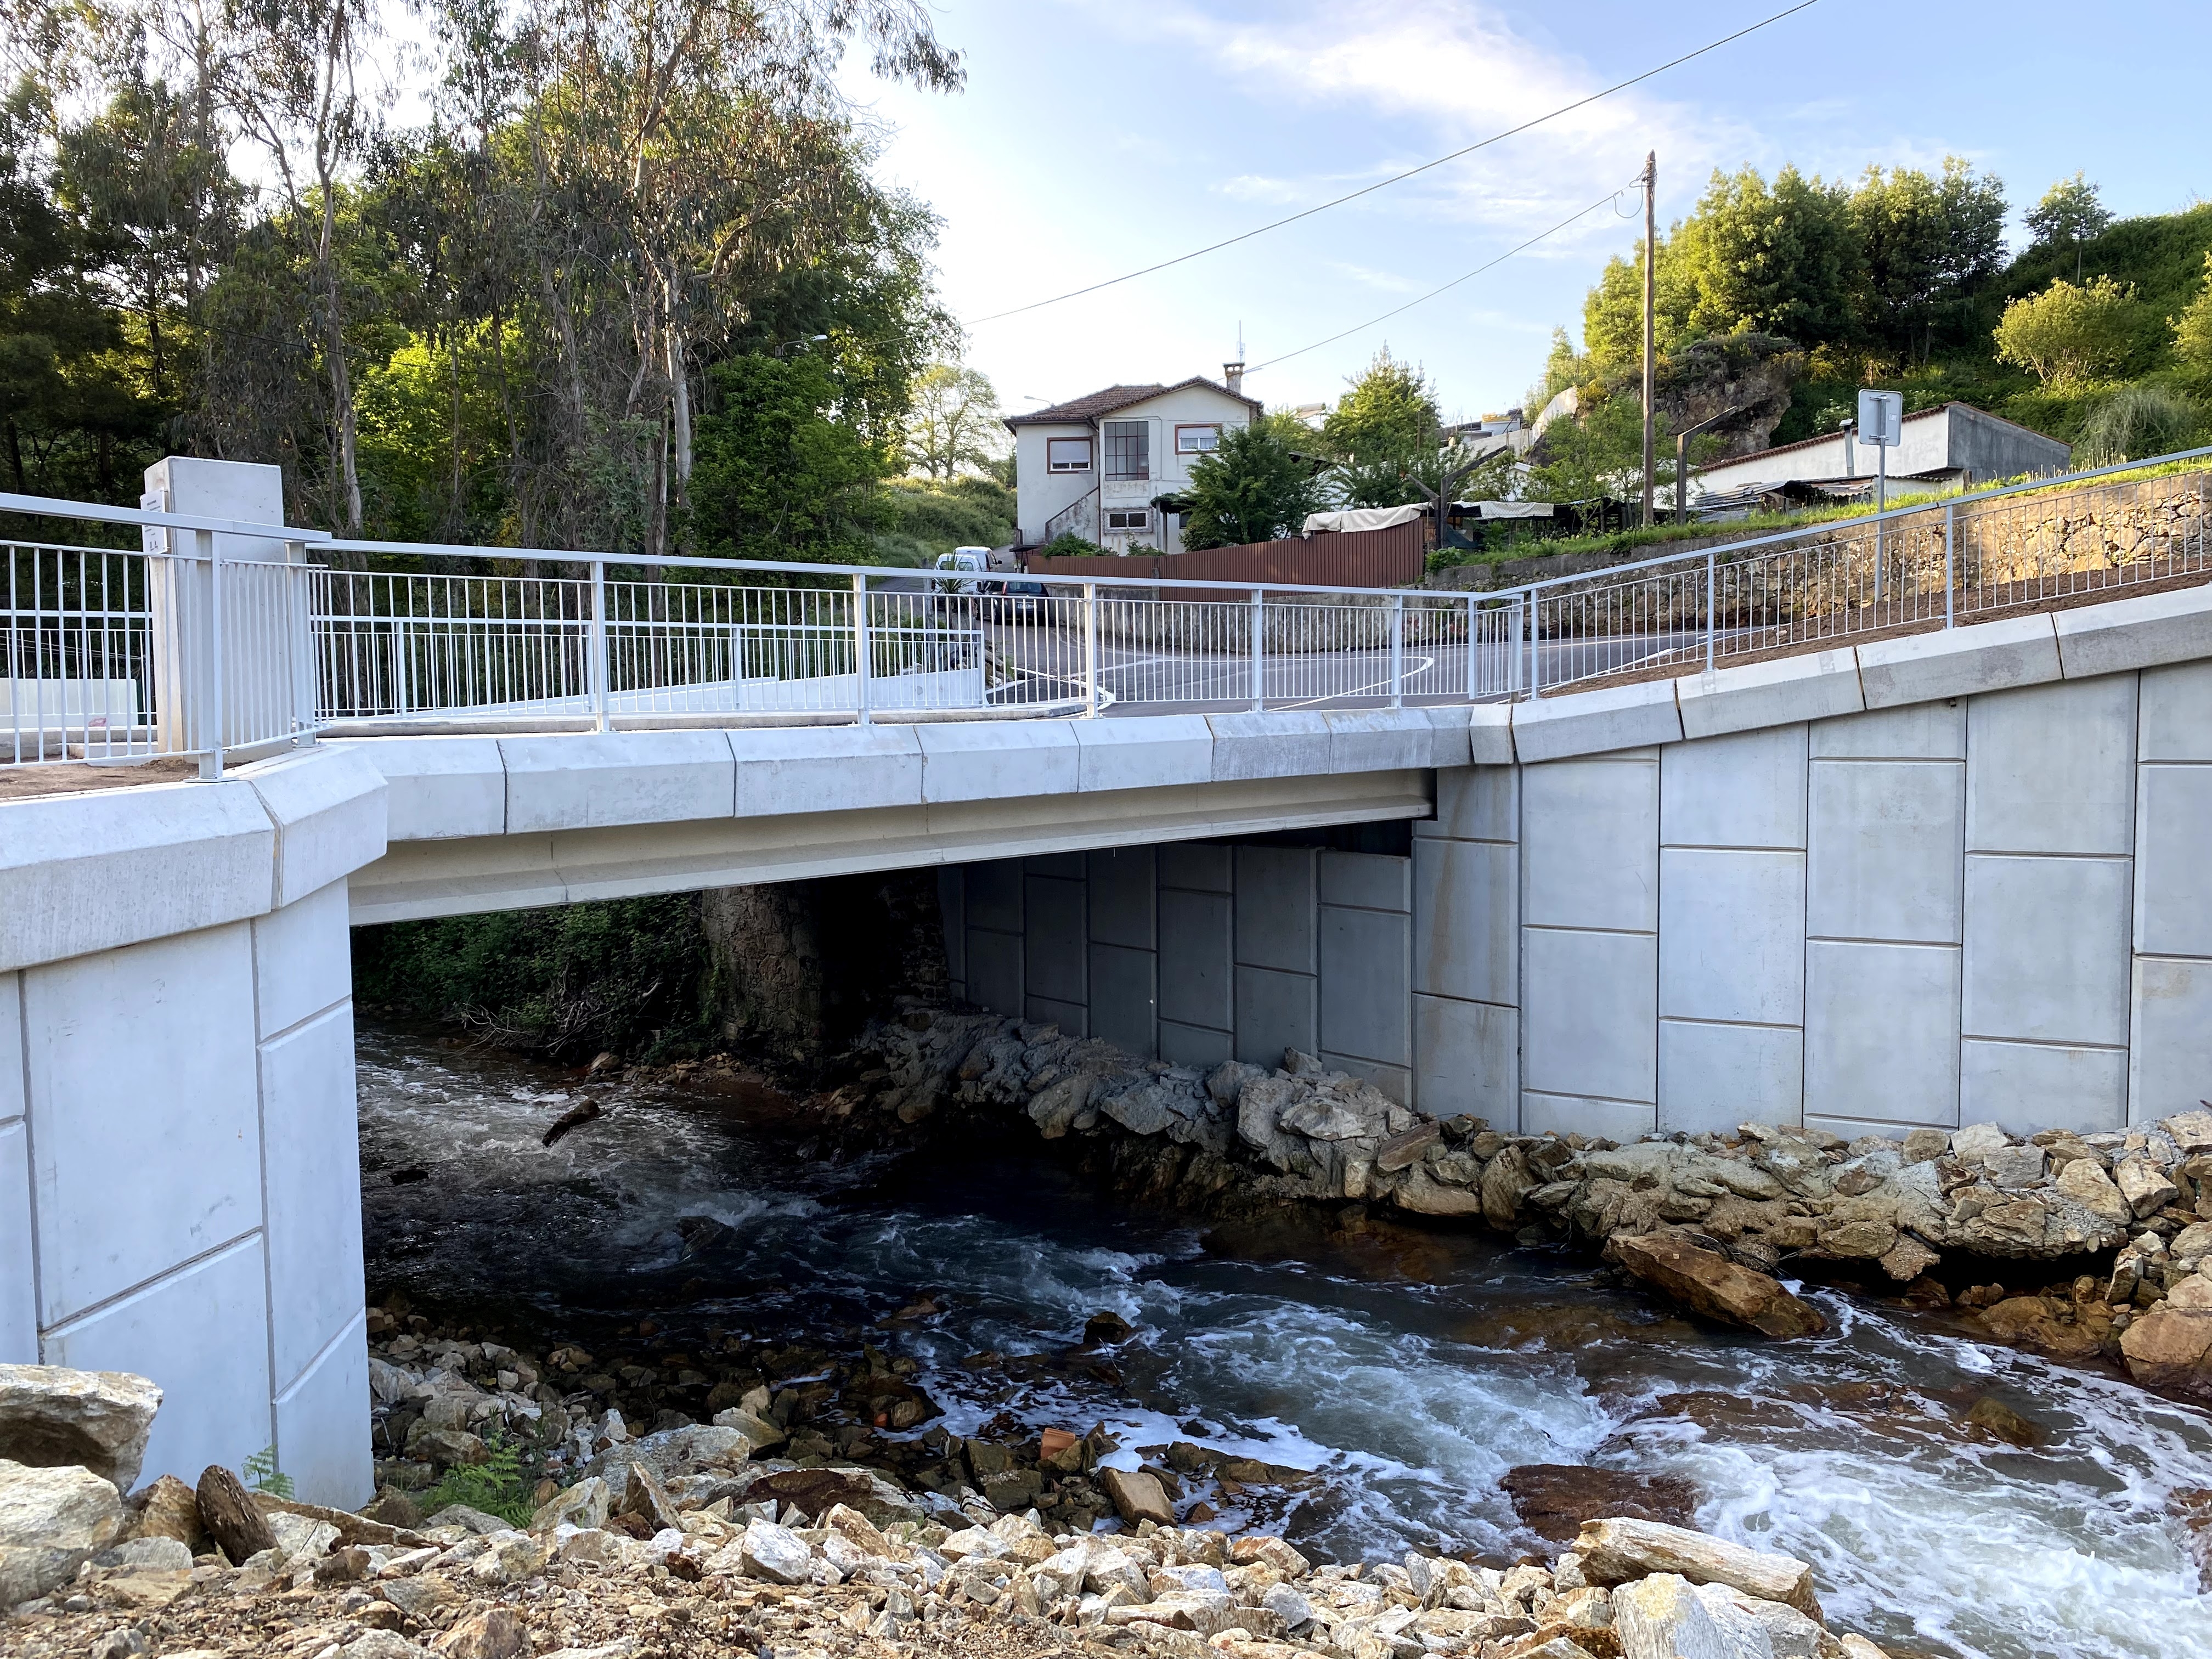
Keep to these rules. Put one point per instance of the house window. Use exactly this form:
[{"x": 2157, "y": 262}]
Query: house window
[
  {"x": 1129, "y": 449},
  {"x": 1132, "y": 521},
  {"x": 1197, "y": 439},
  {"x": 1067, "y": 454}
]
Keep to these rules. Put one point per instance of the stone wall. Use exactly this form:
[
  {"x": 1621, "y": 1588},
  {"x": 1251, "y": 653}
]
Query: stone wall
[{"x": 800, "y": 966}]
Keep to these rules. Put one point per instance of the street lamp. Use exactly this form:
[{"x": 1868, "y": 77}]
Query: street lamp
[
  {"x": 1682, "y": 458},
  {"x": 809, "y": 339}
]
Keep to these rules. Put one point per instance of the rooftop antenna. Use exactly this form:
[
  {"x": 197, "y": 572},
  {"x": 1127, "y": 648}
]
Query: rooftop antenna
[{"x": 1232, "y": 373}]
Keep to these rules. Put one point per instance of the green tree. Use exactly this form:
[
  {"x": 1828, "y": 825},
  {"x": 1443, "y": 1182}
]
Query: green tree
[
  {"x": 954, "y": 424},
  {"x": 778, "y": 474},
  {"x": 1780, "y": 260},
  {"x": 1389, "y": 410},
  {"x": 1613, "y": 311},
  {"x": 1254, "y": 488},
  {"x": 2068, "y": 335},
  {"x": 2192, "y": 329},
  {"x": 72, "y": 418},
  {"x": 2068, "y": 214},
  {"x": 1924, "y": 245},
  {"x": 1598, "y": 452}
]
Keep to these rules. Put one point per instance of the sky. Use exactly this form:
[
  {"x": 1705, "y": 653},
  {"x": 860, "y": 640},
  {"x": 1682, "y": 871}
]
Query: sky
[{"x": 1095, "y": 138}]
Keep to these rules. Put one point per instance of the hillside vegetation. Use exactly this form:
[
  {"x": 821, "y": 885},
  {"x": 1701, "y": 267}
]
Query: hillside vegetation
[{"x": 1904, "y": 280}]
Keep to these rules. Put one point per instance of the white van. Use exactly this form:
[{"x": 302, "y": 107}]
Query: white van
[{"x": 976, "y": 559}]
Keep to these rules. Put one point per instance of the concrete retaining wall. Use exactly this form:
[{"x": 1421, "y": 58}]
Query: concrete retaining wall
[
  {"x": 179, "y": 1177},
  {"x": 1199, "y": 952},
  {"x": 1992, "y": 907},
  {"x": 1934, "y": 881}
]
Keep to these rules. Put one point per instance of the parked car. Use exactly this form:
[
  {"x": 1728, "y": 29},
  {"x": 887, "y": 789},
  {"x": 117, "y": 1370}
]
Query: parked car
[{"x": 1019, "y": 596}]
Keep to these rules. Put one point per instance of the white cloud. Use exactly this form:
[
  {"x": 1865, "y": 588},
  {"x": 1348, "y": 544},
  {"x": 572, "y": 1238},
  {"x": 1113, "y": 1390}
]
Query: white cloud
[
  {"x": 1465, "y": 73},
  {"x": 1387, "y": 282}
]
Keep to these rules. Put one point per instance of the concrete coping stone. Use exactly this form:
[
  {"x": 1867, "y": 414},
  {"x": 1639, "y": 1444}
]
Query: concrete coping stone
[
  {"x": 1596, "y": 722},
  {"x": 96, "y": 871},
  {"x": 2145, "y": 632},
  {"x": 1991, "y": 656},
  {"x": 1817, "y": 685}
]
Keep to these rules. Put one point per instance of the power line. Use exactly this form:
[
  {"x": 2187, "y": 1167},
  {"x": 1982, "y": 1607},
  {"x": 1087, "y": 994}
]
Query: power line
[
  {"x": 1580, "y": 213},
  {"x": 1400, "y": 178}
]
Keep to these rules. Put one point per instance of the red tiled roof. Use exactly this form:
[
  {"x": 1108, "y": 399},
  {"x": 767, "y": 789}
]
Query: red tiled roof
[{"x": 1077, "y": 411}]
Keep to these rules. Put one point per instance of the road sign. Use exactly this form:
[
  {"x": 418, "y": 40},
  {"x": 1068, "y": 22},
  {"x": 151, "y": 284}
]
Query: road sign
[{"x": 1881, "y": 418}]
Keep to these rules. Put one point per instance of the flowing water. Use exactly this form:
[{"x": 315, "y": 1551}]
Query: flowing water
[{"x": 1408, "y": 1369}]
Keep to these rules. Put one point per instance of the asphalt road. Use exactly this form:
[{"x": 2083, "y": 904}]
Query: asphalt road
[{"x": 1160, "y": 679}]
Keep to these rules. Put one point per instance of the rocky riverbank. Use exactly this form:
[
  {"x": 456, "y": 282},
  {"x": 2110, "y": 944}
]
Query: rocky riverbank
[
  {"x": 687, "y": 1543},
  {"x": 2075, "y": 1245}
]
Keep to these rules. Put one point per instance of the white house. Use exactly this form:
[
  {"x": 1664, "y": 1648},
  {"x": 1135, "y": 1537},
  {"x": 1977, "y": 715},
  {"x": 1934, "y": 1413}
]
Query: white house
[
  {"x": 1093, "y": 464},
  {"x": 1952, "y": 444}
]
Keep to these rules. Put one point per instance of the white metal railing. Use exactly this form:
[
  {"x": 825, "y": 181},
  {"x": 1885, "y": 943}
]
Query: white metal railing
[
  {"x": 222, "y": 639},
  {"x": 193, "y": 644},
  {"x": 1968, "y": 557}
]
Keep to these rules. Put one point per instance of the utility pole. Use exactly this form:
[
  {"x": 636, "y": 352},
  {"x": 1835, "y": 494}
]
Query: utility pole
[{"x": 1651, "y": 262}]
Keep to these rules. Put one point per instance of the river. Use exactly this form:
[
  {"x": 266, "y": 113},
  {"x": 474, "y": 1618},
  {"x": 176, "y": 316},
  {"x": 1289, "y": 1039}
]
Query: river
[{"x": 1409, "y": 1369}]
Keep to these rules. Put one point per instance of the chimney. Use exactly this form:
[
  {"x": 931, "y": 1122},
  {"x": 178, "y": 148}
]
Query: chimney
[{"x": 1232, "y": 376}]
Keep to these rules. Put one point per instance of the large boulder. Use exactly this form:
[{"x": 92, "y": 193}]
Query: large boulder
[
  {"x": 1668, "y": 1617},
  {"x": 2171, "y": 1348},
  {"x": 52, "y": 1522},
  {"x": 1709, "y": 1283},
  {"x": 2084, "y": 1181},
  {"x": 52, "y": 1417},
  {"x": 1617, "y": 1551}
]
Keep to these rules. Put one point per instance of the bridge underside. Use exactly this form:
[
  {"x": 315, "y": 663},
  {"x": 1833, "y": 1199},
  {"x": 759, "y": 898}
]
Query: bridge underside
[{"x": 420, "y": 878}]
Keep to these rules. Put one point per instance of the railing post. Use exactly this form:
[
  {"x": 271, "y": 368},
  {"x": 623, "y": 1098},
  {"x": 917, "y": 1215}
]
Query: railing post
[
  {"x": 1950, "y": 561},
  {"x": 1535, "y": 661},
  {"x": 1091, "y": 650},
  {"x": 1708, "y": 613},
  {"x": 1258, "y": 638},
  {"x": 861, "y": 648},
  {"x": 1397, "y": 651},
  {"x": 299, "y": 638},
  {"x": 210, "y": 742},
  {"x": 596, "y": 666},
  {"x": 403, "y": 655},
  {"x": 1471, "y": 613}
]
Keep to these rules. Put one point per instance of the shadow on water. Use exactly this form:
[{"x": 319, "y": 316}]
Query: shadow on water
[{"x": 1407, "y": 1369}]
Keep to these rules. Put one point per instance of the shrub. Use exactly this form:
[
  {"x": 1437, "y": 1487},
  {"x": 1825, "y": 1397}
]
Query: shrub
[
  {"x": 631, "y": 975},
  {"x": 2066, "y": 334},
  {"x": 2137, "y": 421},
  {"x": 1069, "y": 545},
  {"x": 497, "y": 1485}
]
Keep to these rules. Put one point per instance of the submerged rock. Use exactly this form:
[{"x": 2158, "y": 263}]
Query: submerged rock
[
  {"x": 1554, "y": 1499},
  {"x": 1715, "y": 1286}
]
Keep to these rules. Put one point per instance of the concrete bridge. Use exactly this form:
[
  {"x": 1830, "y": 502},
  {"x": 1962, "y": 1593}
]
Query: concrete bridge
[{"x": 1938, "y": 879}]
